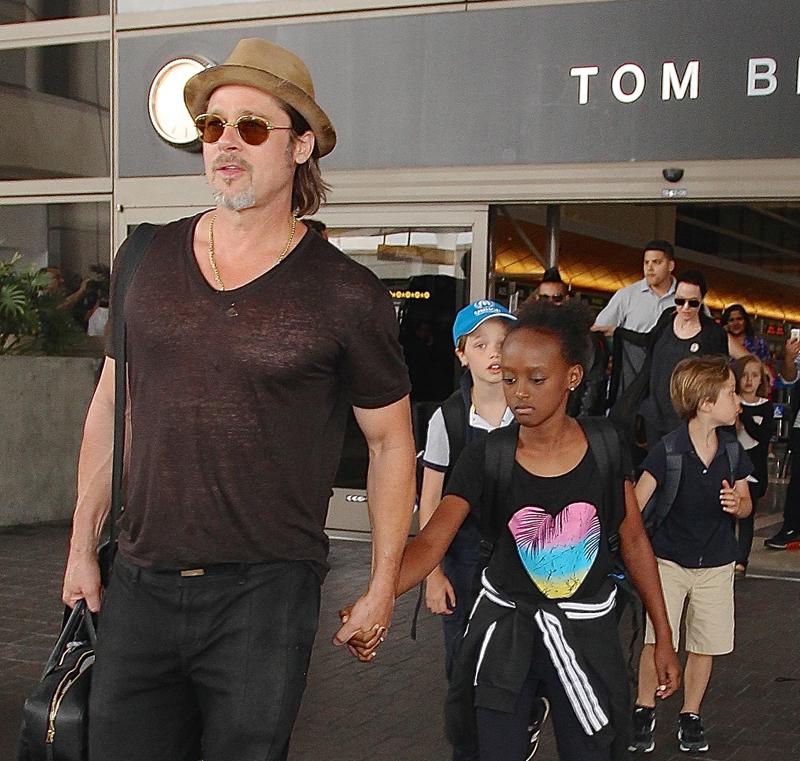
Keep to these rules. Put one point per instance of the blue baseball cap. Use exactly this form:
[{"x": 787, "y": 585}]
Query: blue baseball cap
[{"x": 475, "y": 314}]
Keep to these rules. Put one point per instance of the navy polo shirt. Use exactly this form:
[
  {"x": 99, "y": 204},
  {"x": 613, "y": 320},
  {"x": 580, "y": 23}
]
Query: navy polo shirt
[{"x": 697, "y": 532}]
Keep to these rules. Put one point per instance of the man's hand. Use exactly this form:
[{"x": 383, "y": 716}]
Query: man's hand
[
  {"x": 440, "y": 597},
  {"x": 668, "y": 668},
  {"x": 82, "y": 580},
  {"x": 366, "y": 625}
]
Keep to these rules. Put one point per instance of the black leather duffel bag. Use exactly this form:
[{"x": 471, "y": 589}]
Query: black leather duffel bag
[{"x": 55, "y": 716}]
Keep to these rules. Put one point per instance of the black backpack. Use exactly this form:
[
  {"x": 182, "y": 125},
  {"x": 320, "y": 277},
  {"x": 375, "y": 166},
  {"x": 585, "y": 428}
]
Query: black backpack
[
  {"x": 660, "y": 503},
  {"x": 606, "y": 447},
  {"x": 455, "y": 411}
]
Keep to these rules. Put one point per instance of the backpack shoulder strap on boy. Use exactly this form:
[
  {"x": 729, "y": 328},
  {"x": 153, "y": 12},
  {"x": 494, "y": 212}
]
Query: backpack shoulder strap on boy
[
  {"x": 455, "y": 412},
  {"x": 732, "y": 450},
  {"x": 660, "y": 503},
  {"x": 501, "y": 451}
]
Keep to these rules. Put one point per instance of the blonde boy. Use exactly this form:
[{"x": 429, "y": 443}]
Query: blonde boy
[{"x": 695, "y": 543}]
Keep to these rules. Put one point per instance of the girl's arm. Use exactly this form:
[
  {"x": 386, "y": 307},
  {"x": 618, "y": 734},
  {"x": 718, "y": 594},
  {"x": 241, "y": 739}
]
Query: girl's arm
[
  {"x": 422, "y": 554},
  {"x": 426, "y": 550},
  {"x": 640, "y": 562},
  {"x": 761, "y": 432}
]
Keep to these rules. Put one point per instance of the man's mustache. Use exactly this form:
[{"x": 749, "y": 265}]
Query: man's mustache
[{"x": 222, "y": 161}]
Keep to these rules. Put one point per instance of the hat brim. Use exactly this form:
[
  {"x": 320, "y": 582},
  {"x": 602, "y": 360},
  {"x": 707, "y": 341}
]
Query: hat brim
[{"x": 198, "y": 90}]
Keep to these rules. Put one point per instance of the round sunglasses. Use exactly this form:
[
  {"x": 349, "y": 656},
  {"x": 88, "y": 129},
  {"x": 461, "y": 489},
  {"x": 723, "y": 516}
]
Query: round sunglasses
[{"x": 252, "y": 129}]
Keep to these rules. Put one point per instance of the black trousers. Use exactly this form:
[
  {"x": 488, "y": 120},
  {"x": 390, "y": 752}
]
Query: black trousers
[
  {"x": 505, "y": 736},
  {"x": 791, "y": 508},
  {"x": 209, "y": 667},
  {"x": 460, "y": 566}
]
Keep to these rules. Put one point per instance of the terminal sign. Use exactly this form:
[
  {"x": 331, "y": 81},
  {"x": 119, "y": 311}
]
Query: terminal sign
[{"x": 628, "y": 82}]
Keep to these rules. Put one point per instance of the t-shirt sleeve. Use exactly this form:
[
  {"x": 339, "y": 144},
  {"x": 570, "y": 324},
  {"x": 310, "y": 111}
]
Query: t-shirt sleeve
[
  {"x": 437, "y": 445},
  {"x": 611, "y": 314},
  {"x": 374, "y": 367},
  {"x": 467, "y": 477},
  {"x": 656, "y": 462}
]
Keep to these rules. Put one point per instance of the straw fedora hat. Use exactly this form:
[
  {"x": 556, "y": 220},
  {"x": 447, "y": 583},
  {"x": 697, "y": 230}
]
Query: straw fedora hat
[{"x": 263, "y": 64}]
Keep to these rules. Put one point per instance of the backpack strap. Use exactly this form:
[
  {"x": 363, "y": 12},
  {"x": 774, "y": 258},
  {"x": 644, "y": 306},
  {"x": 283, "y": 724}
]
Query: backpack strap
[
  {"x": 499, "y": 457},
  {"x": 606, "y": 448},
  {"x": 732, "y": 450},
  {"x": 455, "y": 412},
  {"x": 660, "y": 503},
  {"x": 128, "y": 260}
]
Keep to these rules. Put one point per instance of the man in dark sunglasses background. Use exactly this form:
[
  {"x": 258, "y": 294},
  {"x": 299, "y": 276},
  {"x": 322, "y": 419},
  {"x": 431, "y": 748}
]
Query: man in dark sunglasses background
[{"x": 242, "y": 371}]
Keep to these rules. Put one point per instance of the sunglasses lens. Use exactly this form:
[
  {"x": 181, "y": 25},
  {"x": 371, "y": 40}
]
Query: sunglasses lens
[
  {"x": 252, "y": 131},
  {"x": 210, "y": 128}
]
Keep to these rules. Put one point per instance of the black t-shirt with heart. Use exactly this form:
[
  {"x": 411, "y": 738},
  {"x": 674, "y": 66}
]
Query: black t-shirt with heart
[{"x": 552, "y": 533}]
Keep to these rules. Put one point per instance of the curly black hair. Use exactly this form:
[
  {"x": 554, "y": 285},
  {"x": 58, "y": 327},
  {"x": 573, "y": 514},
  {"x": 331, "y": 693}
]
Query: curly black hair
[{"x": 569, "y": 323}]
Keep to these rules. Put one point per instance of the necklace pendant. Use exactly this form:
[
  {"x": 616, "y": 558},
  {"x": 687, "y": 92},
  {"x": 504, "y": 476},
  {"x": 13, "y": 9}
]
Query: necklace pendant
[{"x": 231, "y": 311}]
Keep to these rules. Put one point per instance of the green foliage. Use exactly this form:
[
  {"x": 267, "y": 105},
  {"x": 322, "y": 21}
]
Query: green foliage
[{"x": 31, "y": 321}]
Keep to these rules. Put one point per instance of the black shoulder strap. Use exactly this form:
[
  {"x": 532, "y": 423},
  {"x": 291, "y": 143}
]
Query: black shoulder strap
[
  {"x": 128, "y": 259},
  {"x": 732, "y": 450},
  {"x": 662, "y": 500},
  {"x": 501, "y": 451},
  {"x": 455, "y": 412},
  {"x": 606, "y": 447}
]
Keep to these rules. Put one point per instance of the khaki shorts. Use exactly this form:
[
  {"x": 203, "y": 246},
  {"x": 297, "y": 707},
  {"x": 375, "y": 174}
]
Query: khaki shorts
[{"x": 709, "y": 611}]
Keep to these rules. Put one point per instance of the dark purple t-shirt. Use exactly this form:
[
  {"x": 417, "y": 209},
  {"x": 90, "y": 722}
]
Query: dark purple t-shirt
[{"x": 239, "y": 401}]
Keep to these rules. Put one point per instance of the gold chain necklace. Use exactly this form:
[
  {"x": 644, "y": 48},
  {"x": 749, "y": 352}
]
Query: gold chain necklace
[{"x": 213, "y": 261}]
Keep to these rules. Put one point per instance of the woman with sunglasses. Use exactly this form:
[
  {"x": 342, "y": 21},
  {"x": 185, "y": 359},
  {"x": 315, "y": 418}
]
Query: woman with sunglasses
[{"x": 684, "y": 331}]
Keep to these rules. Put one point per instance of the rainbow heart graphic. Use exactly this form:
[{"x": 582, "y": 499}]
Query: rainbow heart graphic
[{"x": 557, "y": 551}]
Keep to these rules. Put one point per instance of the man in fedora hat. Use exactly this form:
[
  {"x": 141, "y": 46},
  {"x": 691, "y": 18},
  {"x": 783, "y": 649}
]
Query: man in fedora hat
[{"x": 249, "y": 340}]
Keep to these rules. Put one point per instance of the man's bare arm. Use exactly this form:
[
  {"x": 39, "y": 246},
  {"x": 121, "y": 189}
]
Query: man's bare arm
[
  {"x": 82, "y": 575},
  {"x": 390, "y": 496}
]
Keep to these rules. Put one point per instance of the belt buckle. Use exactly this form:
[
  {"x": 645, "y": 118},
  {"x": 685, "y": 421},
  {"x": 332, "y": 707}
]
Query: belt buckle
[{"x": 189, "y": 572}]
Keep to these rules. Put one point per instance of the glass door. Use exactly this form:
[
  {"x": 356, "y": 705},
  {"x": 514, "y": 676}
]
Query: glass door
[{"x": 433, "y": 260}]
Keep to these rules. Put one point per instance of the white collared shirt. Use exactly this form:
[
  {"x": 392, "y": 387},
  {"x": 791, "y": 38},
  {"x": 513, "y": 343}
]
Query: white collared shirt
[{"x": 437, "y": 446}]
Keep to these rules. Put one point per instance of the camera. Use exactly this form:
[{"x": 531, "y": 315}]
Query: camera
[{"x": 672, "y": 174}]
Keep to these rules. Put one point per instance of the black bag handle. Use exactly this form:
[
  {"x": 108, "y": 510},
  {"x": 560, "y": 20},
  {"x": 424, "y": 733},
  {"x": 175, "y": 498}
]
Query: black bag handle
[{"x": 79, "y": 618}]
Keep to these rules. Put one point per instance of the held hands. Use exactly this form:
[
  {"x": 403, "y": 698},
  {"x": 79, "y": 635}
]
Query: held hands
[
  {"x": 730, "y": 499},
  {"x": 363, "y": 644},
  {"x": 440, "y": 597},
  {"x": 365, "y": 625},
  {"x": 668, "y": 668}
]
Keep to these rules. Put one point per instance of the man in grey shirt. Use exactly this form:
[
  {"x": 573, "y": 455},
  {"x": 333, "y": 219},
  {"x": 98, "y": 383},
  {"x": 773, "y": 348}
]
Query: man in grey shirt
[{"x": 638, "y": 306}]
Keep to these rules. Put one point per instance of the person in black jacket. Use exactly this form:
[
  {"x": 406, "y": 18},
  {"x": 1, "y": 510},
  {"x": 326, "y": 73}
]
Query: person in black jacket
[{"x": 685, "y": 331}]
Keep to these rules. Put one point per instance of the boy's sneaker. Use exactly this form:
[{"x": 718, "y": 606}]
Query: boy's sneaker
[
  {"x": 644, "y": 724},
  {"x": 786, "y": 538},
  {"x": 539, "y": 714},
  {"x": 690, "y": 733}
]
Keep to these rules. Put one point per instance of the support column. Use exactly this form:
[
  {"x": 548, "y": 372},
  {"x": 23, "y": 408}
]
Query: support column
[{"x": 553, "y": 233}]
